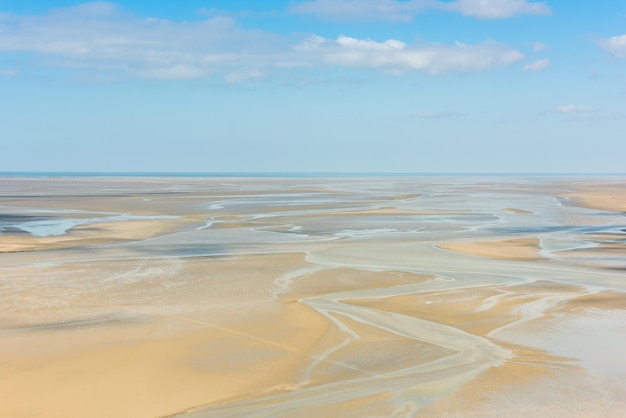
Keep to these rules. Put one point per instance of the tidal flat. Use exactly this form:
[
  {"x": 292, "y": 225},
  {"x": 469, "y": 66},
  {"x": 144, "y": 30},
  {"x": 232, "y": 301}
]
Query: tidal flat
[{"x": 291, "y": 297}]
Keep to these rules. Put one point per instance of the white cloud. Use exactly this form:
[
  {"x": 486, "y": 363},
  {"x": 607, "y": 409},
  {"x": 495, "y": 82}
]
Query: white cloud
[
  {"x": 103, "y": 38},
  {"x": 540, "y": 47},
  {"x": 538, "y": 65},
  {"x": 616, "y": 45},
  {"x": 405, "y": 10},
  {"x": 368, "y": 44},
  {"x": 572, "y": 108},
  {"x": 396, "y": 57}
]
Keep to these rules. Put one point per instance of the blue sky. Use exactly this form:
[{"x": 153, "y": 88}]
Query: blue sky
[{"x": 313, "y": 85}]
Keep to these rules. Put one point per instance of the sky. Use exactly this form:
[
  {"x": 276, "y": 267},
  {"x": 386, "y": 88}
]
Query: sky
[{"x": 449, "y": 86}]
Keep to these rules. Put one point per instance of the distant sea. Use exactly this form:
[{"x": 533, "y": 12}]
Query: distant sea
[{"x": 64, "y": 174}]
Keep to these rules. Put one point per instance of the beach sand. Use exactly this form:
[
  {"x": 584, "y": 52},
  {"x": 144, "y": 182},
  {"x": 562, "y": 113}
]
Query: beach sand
[{"x": 204, "y": 297}]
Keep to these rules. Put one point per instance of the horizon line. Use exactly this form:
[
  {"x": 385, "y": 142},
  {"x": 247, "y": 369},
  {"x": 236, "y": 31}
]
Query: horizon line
[{"x": 304, "y": 174}]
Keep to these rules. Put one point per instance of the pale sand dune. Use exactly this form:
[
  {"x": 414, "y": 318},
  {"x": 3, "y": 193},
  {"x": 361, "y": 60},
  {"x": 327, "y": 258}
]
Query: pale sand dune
[
  {"x": 134, "y": 371},
  {"x": 101, "y": 233},
  {"x": 516, "y": 249},
  {"x": 158, "y": 357},
  {"x": 610, "y": 196},
  {"x": 515, "y": 210},
  {"x": 314, "y": 297}
]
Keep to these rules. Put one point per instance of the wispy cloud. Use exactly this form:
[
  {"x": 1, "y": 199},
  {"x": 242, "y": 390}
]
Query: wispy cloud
[
  {"x": 588, "y": 112},
  {"x": 497, "y": 9},
  {"x": 101, "y": 35},
  {"x": 104, "y": 38},
  {"x": 572, "y": 108},
  {"x": 616, "y": 45},
  {"x": 406, "y": 10},
  {"x": 9, "y": 72},
  {"x": 538, "y": 65},
  {"x": 363, "y": 9},
  {"x": 441, "y": 114}
]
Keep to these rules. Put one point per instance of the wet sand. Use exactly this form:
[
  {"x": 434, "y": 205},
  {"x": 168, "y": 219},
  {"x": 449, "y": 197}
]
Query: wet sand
[{"x": 203, "y": 297}]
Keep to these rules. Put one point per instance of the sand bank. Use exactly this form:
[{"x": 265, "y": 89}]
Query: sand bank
[{"x": 316, "y": 297}]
